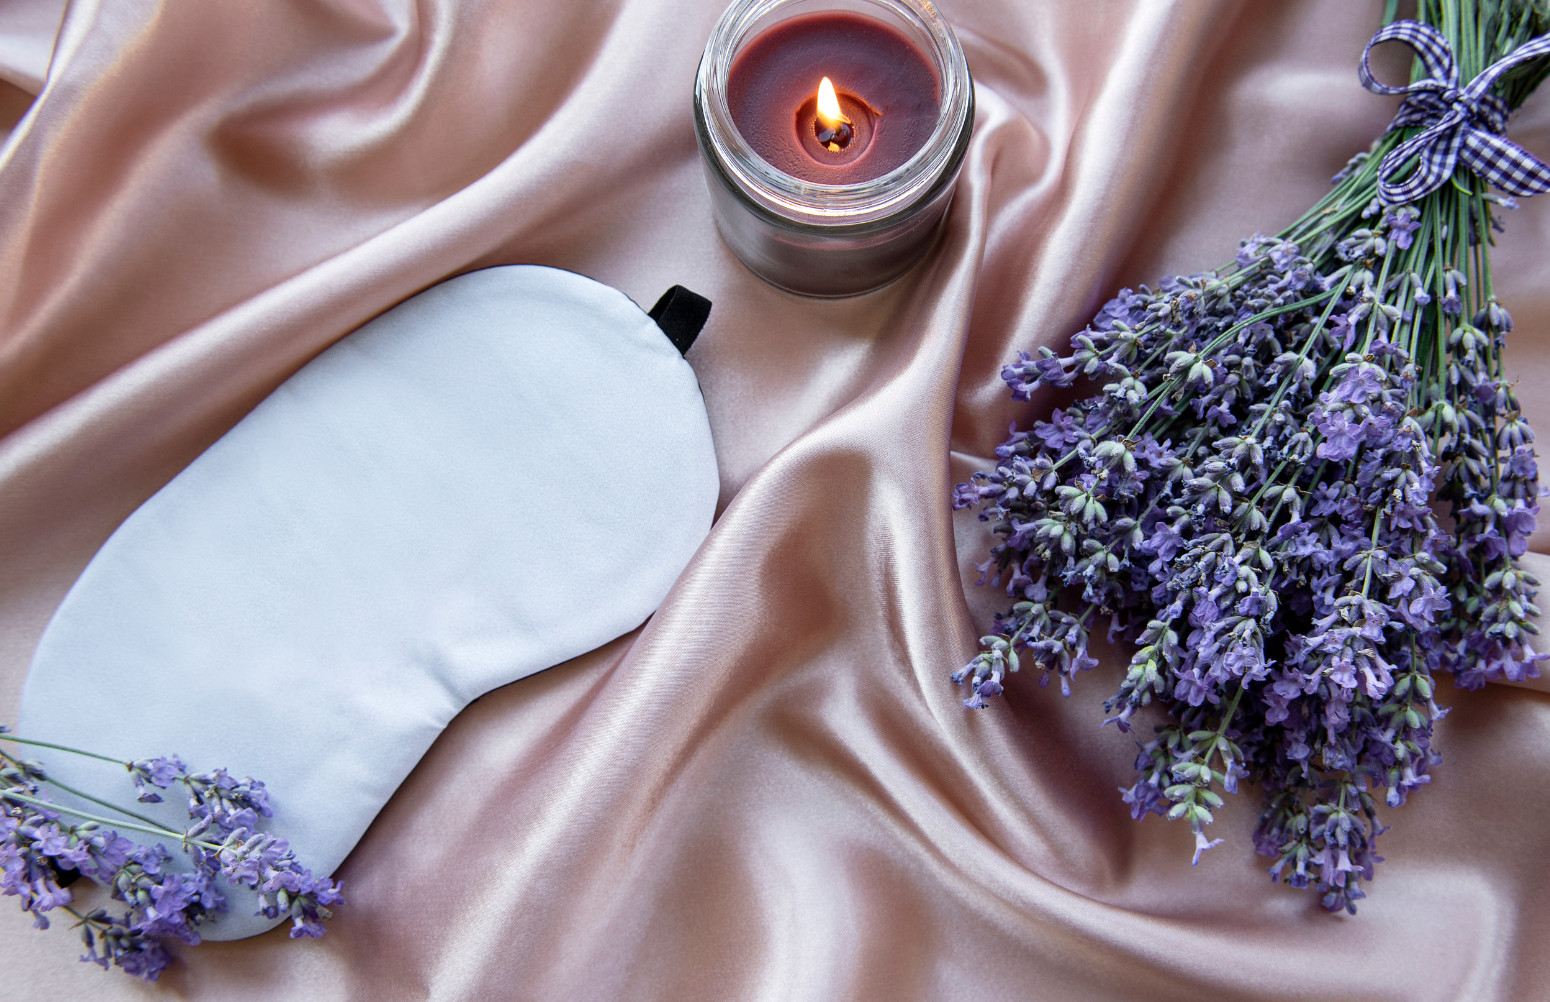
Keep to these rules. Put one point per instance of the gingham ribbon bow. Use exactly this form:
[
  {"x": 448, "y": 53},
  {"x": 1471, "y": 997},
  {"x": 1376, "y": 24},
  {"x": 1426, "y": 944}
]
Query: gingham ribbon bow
[{"x": 1459, "y": 125}]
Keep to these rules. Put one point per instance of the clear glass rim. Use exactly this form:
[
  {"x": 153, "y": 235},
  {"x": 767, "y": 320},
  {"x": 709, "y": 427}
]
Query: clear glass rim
[{"x": 805, "y": 203}]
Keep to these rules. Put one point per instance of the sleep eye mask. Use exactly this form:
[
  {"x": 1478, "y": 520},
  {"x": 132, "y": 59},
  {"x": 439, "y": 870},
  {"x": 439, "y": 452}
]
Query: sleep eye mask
[{"x": 501, "y": 473}]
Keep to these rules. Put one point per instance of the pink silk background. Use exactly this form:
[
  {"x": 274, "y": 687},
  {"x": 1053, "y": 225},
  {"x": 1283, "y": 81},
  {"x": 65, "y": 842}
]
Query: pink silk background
[{"x": 771, "y": 791}]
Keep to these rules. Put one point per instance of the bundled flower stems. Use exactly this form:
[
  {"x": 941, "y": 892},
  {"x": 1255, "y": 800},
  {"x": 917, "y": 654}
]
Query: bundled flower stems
[
  {"x": 45, "y": 847},
  {"x": 1247, "y": 493}
]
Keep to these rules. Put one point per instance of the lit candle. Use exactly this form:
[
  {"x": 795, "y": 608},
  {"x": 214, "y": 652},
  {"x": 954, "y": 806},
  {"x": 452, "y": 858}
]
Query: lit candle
[
  {"x": 887, "y": 96},
  {"x": 833, "y": 138}
]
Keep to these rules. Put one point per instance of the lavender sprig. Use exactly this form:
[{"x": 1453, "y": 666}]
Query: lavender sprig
[
  {"x": 1247, "y": 498},
  {"x": 41, "y": 853}
]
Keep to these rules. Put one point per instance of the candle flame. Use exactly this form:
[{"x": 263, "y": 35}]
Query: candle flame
[
  {"x": 829, "y": 105},
  {"x": 832, "y": 129}
]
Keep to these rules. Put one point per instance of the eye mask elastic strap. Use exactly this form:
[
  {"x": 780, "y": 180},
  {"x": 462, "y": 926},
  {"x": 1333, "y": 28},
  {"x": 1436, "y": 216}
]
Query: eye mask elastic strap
[{"x": 681, "y": 314}]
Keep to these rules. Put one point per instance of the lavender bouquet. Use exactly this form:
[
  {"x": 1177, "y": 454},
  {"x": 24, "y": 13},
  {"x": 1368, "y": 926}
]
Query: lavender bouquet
[
  {"x": 42, "y": 854},
  {"x": 1247, "y": 493}
]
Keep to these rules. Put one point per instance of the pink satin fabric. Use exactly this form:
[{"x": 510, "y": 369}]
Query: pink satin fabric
[{"x": 771, "y": 791}]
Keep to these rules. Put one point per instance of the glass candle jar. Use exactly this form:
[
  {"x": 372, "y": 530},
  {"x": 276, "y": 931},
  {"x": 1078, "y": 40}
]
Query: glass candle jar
[{"x": 832, "y": 239}]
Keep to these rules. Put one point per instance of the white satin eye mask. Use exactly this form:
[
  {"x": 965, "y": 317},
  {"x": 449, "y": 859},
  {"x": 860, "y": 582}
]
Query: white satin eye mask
[{"x": 506, "y": 471}]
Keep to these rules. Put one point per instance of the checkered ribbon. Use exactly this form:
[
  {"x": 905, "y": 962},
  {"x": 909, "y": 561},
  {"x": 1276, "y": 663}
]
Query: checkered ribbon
[{"x": 1457, "y": 125}]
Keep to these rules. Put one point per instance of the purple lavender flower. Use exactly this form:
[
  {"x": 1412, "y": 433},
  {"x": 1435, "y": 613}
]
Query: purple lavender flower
[
  {"x": 1524, "y": 465},
  {"x": 1284, "y": 256},
  {"x": 1059, "y": 431},
  {"x": 1340, "y": 436},
  {"x": 1201, "y": 845},
  {"x": 1402, "y": 223},
  {"x": 1452, "y": 280},
  {"x": 1220, "y": 415},
  {"x": 1361, "y": 384},
  {"x": 159, "y": 772},
  {"x": 1431, "y": 599}
]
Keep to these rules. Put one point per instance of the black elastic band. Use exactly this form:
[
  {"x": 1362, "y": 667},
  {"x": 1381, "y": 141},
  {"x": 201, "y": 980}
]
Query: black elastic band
[{"x": 681, "y": 314}]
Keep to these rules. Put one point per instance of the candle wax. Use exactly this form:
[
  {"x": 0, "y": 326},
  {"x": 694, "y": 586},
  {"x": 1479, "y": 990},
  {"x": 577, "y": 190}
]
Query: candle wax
[{"x": 886, "y": 87}]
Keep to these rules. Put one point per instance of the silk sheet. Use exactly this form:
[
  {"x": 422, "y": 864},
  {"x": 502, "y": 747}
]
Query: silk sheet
[{"x": 771, "y": 790}]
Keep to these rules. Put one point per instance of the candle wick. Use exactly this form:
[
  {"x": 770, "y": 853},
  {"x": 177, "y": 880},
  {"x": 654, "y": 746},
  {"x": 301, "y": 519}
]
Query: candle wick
[{"x": 835, "y": 137}]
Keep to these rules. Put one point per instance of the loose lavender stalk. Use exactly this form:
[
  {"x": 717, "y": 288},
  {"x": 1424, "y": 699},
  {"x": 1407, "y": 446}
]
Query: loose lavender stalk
[
  {"x": 42, "y": 853},
  {"x": 1248, "y": 498}
]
